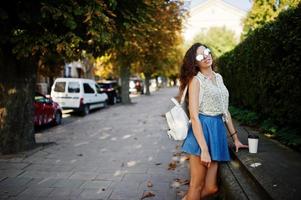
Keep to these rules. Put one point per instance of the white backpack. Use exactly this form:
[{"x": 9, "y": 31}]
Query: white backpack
[{"x": 177, "y": 119}]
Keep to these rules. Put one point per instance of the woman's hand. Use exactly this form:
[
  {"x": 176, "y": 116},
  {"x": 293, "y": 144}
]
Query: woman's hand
[
  {"x": 239, "y": 145},
  {"x": 205, "y": 158}
]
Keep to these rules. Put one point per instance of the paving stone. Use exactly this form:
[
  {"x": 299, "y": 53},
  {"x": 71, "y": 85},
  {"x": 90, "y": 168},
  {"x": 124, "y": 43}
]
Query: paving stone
[
  {"x": 84, "y": 175},
  {"x": 161, "y": 194},
  {"x": 49, "y": 168},
  {"x": 96, "y": 194},
  {"x": 42, "y": 182},
  {"x": 122, "y": 195},
  {"x": 68, "y": 183},
  {"x": 26, "y": 198},
  {"x": 14, "y": 181},
  {"x": 10, "y": 172},
  {"x": 45, "y": 174},
  {"x": 67, "y": 193},
  {"x": 95, "y": 184},
  {"x": 140, "y": 177},
  {"x": 11, "y": 190},
  {"x": 36, "y": 192},
  {"x": 110, "y": 176},
  {"x": 10, "y": 165},
  {"x": 109, "y": 154}
]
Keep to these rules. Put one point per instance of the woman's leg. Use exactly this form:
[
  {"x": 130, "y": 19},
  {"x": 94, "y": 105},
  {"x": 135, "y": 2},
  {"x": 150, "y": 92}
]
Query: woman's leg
[
  {"x": 197, "y": 178},
  {"x": 211, "y": 186}
]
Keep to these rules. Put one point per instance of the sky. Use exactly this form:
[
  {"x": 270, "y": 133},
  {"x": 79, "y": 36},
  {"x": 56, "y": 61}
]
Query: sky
[{"x": 242, "y": 4}]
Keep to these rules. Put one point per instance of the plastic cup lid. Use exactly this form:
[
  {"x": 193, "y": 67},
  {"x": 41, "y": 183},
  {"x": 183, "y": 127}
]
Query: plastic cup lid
[{"x": 253, "y": 136}]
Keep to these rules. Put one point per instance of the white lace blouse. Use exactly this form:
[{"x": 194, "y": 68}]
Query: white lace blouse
[{"x": 213, "y": 98}]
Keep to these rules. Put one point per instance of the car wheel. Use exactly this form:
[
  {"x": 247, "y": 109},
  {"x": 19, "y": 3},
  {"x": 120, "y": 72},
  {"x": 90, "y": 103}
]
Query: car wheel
[
  {"x": 57, "y": 118},
  {"x": 86, "y": 110},
  {"x": 105, "y": 104}
]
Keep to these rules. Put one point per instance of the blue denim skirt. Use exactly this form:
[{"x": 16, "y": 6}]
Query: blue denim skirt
[{"x": 215, "y": 135}]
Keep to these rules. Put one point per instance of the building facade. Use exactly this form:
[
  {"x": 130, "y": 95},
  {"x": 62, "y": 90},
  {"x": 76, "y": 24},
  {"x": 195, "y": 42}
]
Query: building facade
[
  {"x": 76, "y": 69},
  {"x": 213, "y": 13}
]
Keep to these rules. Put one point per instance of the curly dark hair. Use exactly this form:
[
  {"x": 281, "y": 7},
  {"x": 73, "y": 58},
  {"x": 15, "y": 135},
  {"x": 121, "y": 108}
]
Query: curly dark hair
[{"x": 190, "y": 67}]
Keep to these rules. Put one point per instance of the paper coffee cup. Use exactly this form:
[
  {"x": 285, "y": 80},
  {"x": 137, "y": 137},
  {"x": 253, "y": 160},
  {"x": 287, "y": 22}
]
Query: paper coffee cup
[{"x": 253, "y": 143}]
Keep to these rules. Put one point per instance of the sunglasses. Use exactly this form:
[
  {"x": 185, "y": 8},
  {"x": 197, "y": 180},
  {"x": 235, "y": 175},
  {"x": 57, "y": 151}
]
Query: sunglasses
[{"x": 201, "y": 57}]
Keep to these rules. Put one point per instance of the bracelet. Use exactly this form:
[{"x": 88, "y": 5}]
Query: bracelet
[{"x": 233, "y": 133}]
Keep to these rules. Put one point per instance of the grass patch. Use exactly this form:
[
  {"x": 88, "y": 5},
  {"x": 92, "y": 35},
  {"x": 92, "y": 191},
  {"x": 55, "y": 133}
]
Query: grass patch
[{"x": 285, "y": 135}]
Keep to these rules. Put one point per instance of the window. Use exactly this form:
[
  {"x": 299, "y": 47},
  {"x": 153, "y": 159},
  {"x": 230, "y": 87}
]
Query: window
[
  {"x": 73, "y": 87},
  {"x": 88, "y": 89},
  {"x": 98, "y": 89},
  {"x": 104, "y": 85},
  {"x": 60, "y": 86},
  {"x": 40, "y": 99}
]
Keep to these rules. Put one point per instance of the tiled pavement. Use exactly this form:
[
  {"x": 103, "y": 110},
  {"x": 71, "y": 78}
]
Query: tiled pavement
[{"x": 117, "y": 153}]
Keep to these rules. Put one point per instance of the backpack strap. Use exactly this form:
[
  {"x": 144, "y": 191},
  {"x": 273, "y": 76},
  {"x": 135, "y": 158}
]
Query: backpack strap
[{"x": 184, "y": 95}]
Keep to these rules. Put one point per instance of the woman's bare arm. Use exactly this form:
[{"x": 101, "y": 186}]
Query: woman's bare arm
[
  {"x": 194, "y": 90},
  {"x": 233, "y": 133}
]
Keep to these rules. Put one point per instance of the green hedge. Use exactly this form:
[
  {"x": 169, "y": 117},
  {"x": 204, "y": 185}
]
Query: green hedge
[{"x": 263, "y": 72}]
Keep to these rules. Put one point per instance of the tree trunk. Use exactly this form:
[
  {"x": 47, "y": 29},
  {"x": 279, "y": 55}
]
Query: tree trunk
[
  {"x": 147, "y": 83},
  {"x": 157, "y": 83},
  {"x": 51, "y": 81},
  {"x": 174, "y": 80},
  {"x": 125, "y": 76},
  {"x": 17, "y": 86}
]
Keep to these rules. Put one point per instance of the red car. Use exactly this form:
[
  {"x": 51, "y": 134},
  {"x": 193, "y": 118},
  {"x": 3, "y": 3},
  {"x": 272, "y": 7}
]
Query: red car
[{"x": 46, "y": 111}]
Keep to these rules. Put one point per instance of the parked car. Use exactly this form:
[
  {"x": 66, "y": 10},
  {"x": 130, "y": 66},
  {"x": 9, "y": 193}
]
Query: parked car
[
  {"x": 78, "y": 94},
  {"x": 112, "y": 89},
  {"x": 46, "y": 111},
  {"x": 136, "y": 85}
]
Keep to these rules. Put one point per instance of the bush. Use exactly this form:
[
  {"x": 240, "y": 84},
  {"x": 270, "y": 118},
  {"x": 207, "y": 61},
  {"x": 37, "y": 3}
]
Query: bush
[
  {"x": 286, "y": 136},
  {"x": 263, "y": 72}
]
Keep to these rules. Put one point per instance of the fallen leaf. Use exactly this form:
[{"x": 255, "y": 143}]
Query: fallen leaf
[
  {"x": 172, "y": 165},
  {"x": 149, "y": 183},
  {"x": 254, "y": 165},
  {"x": 175, "y": 184},
  {"x": 147, "y": 195},
  {"x": 175, "y": 158},
  {"x": 182, "y": 181},
  {"x": 183, "y": 159},
  {"x": 177, "y": 154},
  {"x": 181, "y": 193}
]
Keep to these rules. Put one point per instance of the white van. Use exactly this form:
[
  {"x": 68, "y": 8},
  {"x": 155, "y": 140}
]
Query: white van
[{"x": 78, "y": 94}]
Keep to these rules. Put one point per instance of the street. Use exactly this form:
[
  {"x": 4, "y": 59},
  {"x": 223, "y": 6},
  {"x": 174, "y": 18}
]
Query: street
[{"x": 121, "y": 152}]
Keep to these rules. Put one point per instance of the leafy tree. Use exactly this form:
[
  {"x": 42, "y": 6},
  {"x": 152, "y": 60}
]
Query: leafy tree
[
  {"x": 32, "y": 33},
  {"x": 171, "y": 66},
  {"x": 130, "y": 23},
  {"x": 142, "y": 37},
  {"x": 264, "y": 11},
  {"x": 162, "y": 37},
  {"x": 270, "y": 83},
  {"x": 219, "y": 39},
  {"x": 105, "y": 68}
]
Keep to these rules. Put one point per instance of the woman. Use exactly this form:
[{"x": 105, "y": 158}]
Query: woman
[{"x": 206, "y": 141}]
